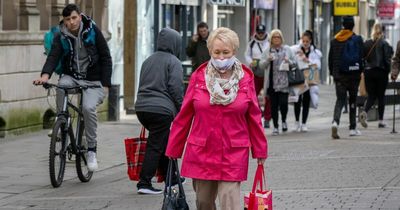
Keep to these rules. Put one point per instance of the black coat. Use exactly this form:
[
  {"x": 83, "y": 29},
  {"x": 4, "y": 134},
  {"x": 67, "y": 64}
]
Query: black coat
[
  {"x": 100, "y": 67},
  {"x": 378, "y": 55}
]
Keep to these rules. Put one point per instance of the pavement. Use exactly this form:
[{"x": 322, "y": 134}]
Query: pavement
[{"x": 304, "y": 170}]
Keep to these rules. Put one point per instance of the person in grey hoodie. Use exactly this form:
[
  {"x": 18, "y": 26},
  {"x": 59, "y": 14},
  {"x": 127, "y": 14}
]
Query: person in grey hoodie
[{"x": 158, "y": 101}]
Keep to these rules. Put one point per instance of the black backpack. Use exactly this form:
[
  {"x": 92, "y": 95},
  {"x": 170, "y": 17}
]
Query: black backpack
[{"x": 351, "y": 55}]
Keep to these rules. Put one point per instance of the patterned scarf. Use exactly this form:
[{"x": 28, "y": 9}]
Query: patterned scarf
[{"x": 223, "y": 91}]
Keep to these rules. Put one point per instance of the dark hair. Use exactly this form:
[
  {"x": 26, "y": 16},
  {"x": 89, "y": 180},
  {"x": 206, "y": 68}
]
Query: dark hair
[
  {"x": 69, "y": 9},
  {"x": 202, "y": 25},
  {"x": 348, "y": 22},
  {"x": 309, "y": 34}
]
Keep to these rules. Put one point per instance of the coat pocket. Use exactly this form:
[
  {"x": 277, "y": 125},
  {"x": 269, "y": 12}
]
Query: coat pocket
[
  {"x": 240, "y": 143},
  {"x": 198, "y": 141}
]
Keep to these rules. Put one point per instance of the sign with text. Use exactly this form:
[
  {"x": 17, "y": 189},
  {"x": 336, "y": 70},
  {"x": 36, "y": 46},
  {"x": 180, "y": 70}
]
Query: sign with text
[
  {"x": 263, "y": 4},
  {"x": 239, "y": 3},
  {"x": 386, "y": 9},
  {"x": 345, "y": 7}
]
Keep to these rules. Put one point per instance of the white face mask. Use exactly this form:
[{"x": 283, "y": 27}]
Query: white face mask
[{"x": 222, "y": 65}]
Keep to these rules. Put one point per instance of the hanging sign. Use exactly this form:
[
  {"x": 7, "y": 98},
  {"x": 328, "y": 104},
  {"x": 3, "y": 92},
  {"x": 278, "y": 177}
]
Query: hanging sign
[
  {"x": 345, "y": 7},
  {"x": 239, "y": 3}
]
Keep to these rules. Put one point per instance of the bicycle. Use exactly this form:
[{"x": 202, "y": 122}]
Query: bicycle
[{"x": 64, "y": 142}]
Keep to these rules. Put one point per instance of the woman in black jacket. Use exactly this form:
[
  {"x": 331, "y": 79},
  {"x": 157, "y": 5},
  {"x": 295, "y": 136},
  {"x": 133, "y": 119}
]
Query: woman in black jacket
[{"x": 377, "y": 55}]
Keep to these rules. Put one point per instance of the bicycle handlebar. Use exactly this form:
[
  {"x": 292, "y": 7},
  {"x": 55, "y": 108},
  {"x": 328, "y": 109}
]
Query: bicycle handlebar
[{"x": 82, "y": 87}]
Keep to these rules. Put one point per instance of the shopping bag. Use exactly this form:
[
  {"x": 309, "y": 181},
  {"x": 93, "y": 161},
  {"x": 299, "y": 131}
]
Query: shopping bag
[
  {"x": 258, "y": 199},
  {"x": 174, "y": 199},
  {"x": 311, "y": 75},
  {"x": 361, "y": 89},
  {"x": 314, "y": 95},
  {"x": 135, "y": 149}
]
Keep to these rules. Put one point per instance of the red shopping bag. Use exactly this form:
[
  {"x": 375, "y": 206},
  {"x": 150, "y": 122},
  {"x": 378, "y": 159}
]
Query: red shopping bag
[
  {"x": 258, "y": 199},
  {"x": 135, "y": 149}
]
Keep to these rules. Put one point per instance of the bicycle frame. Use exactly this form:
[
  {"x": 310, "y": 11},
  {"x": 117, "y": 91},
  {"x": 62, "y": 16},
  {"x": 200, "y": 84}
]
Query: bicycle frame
[{"x": 70, "y": 131}]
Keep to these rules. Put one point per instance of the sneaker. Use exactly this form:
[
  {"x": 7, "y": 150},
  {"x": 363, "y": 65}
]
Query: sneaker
[
  {"x": 275, "y": 132},
  {"x": 362, "y": 117},
  {"x": 382, "y": 125},
  {"x": 298, "y": 126},
  {"x": 284, "y": 126},
  {"x": 92, "y": 161},
  {"x": 50, "y": 133},
  {"x": 149, "y": 190},
  {"x": 355, "y": 132},
  {"x": 266, "y": 124},
  {"x": 303, "y": 128},
  {"x": 335, "y": 131}
]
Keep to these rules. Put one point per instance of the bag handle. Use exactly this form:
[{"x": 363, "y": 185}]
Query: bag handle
[
  {"x": 259, "y": 178},
  {"x": 173, "y": 163},
  {"x": 143, "y": 133},
  {"x": 370, "y": 50}
]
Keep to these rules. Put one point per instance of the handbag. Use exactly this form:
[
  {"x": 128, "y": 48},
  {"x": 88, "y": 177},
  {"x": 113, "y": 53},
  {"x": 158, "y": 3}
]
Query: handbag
[
  {"x": 258, "y": 198},
  {"x": 135, "y": 149},
  {"x": 174, "y": 199},
  {"x": 295, "y": 76}
]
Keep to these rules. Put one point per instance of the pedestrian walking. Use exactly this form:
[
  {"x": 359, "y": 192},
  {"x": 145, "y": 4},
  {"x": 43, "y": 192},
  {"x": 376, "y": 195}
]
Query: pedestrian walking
[
  {"x": 276, "y": 62},
  {"x": 197, "y": 47},
  {"x": 158, "y": 101},
  {"x": 345, "y": 66},
  {"x": 86, "y": 60},
  {"x": 256, "y": 46},
  {"x": 311, "y": 57},
  {"x": 219, "y": 121},
  {"x": 377, "y": 55}
]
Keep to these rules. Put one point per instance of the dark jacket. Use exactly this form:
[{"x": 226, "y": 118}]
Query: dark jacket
[
  {"x": 97, "y": 54},
  {"x": 335, "y": 56},
  {"x": 198, "y": 51},
  {"x": 380, "y": 56},
  {"x": 161, "y": 77}
]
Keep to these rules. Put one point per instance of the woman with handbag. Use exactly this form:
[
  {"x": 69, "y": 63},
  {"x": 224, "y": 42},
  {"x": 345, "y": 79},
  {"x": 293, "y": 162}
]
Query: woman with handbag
[
  {"x": 310, "y": 56},
  {"x": 219, "y": 121},
  {"x": 276, "y": 61},
  {"x": 377, "y": 56}
]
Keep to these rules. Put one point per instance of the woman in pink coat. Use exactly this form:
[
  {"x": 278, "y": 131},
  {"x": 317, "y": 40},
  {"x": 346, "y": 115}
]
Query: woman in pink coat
[{"x": 219, "y": 121}]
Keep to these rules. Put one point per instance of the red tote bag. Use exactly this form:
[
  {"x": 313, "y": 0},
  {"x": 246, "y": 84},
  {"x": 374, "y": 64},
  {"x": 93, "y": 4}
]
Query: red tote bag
[
  {"x": 135, "y": 149},
  {"x": 258, "y": 199}
]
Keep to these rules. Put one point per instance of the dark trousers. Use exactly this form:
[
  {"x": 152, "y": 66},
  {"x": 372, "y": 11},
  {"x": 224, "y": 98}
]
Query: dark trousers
[
  {"x": 376, "y": 81},
  {"x": 279, "y": 102},
  {"x": 304, "y": 100},
  {"x": 343, "y": 86},
  {"x": 158, "y": 126}
]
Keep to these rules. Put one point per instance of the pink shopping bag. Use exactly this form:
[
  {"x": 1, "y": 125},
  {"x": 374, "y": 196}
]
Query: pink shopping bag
[{"x": 258, "y": 199}]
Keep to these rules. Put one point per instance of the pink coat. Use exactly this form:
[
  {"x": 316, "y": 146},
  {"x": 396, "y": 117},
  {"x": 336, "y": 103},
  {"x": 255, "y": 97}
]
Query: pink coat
[{"x": 218, "y": 138}]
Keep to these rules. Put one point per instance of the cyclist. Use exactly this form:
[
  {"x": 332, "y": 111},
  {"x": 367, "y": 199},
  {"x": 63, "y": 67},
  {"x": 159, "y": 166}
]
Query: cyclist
[{"x": 86, "y": 60}]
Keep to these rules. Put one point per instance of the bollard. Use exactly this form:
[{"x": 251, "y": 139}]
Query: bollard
[{"x": 113, "y": 103}]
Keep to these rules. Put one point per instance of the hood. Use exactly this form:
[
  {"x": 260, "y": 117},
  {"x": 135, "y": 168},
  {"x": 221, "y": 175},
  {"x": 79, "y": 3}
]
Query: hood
[
  {"x": 343, "y": 35},
  {"x": 170, "y": 41}
]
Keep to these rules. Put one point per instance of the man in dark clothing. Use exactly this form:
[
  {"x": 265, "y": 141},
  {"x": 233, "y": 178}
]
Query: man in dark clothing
[
  {"x": 197, "y": 48},
  {"x": 345, "y": 81},
  {"x": 86, "y": 60},
  {"x": 158, "y": 101}
]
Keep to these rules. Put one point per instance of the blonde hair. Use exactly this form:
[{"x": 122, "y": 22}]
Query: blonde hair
[
  {"x": 276, "y": 32},
  {"x": 226, "y": 35},
  {"x": 376, "y": 32}
]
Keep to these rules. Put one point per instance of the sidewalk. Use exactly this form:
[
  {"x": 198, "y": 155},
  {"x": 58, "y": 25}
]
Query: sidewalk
[{"x": 304, "y": 170}]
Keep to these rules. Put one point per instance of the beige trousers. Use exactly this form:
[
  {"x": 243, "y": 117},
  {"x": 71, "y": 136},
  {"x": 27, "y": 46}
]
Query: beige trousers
[{"x": 207, "y": 191}]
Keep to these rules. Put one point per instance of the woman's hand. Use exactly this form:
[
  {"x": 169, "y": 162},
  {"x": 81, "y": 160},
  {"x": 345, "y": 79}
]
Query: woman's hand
[{"x": 260, "y": 161}]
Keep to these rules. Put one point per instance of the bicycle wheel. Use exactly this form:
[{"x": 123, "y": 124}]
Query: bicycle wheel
[
  {"x": 57, "y": 152},
  {"x": 81, "y": 157}
]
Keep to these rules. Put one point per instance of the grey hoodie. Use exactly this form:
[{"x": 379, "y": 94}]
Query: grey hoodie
[{"x": 161, "y": 77}]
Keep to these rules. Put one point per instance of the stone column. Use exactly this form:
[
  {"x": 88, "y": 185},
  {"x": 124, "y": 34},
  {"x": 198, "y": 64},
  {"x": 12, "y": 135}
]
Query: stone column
[
  {"x": 44, "y": 7},
  {"x": 57, "y": 7},
  {"x": 9, "y": 10},
  {"x": 29, "y": 16}
]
